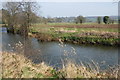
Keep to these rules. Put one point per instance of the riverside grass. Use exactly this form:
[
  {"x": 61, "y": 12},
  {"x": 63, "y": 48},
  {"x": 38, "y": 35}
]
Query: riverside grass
[
  {"x": 83, "y": 37},
  {"x": 98, "y": 34},
  {"x": 17, "y": 66}
]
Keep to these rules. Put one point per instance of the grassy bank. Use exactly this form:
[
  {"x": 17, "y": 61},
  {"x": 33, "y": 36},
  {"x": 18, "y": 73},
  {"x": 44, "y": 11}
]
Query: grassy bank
[
  {"x": 99, "y": 34},
  {"x": 17, "y": 66}
]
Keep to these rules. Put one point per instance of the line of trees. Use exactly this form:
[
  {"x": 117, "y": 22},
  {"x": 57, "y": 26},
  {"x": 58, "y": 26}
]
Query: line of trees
[
  {"x": 106, "y": 20},
  {"x": 55, "y": 19}
]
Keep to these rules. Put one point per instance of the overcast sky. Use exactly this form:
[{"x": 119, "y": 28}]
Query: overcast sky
[
  {"x": 60, "y": 9},
  {"x": 64, "y": 0},
  {"x": 63, "y": 8}
]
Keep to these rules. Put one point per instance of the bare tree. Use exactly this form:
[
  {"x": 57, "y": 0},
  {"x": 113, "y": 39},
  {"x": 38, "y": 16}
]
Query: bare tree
[
  {"x": 20, "y": 14},
  {"x": 28, "y": 11},
  {"x": 11, "y": 9}
]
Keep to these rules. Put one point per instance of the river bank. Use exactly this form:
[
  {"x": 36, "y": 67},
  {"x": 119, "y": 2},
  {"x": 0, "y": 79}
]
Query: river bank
[
  {"x": 17, "y": 66},
  {"x": 102, "y": 34},
  {"x": 106, "y": 39}
]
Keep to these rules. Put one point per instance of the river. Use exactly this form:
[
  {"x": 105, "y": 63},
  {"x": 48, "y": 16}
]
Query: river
[{"x": 53, "y": 53}]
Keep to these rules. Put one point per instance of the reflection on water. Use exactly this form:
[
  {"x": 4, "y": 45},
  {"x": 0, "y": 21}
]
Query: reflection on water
[{"x": 52, "y": 52}]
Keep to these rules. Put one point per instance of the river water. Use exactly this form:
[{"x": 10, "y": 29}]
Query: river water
[{"x": 55, "y": 53}]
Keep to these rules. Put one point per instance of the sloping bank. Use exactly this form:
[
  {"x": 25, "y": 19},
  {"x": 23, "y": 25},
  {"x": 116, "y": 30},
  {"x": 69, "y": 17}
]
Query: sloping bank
[
  {"x": 17, "y": 66},
  {"x": 94, "y": 38}
]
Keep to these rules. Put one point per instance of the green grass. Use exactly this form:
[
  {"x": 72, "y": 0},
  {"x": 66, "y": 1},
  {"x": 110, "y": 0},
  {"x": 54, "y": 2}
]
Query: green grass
[
  {"x": 68, "y": 23},
  {"x": 58, "y": 24},
  {"x": 38, "y": 29}
]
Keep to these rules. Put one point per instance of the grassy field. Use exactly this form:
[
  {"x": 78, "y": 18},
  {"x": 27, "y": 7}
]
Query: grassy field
[
  {"x": 79, "y": 27},
  {"x": 57, "y": 24}
]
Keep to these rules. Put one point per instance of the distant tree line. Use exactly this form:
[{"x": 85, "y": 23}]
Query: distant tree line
[
  {"x": 106, "y": 20},
  {"x": 56, "y": 19},
  {"x": 77, "y": 20}
]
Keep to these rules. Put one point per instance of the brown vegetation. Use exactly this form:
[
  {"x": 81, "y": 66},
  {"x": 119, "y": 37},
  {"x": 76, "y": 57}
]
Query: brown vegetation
[
  {"x": 17, "y": 66},
  {"x": 99, "y": 34}
]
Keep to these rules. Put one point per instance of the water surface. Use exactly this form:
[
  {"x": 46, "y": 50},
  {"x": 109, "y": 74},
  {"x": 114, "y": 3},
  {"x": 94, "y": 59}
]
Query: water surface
[{"x": 53, "y": 53}]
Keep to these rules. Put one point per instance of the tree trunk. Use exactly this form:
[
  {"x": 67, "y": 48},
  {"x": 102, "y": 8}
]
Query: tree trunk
[
  {"x": 23, "y": 31},
  {"x": 10, "y": 29}
]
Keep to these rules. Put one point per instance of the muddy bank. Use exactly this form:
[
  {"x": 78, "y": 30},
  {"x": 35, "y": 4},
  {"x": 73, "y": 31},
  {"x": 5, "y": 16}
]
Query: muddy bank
[{"x": 107, "y": 39}]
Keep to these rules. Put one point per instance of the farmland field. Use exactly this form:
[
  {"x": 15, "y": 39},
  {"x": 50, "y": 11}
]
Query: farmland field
[{"x": 79, "y": 27}]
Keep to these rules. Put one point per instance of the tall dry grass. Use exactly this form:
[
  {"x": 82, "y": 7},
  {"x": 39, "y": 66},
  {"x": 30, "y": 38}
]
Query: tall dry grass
[{"x": 17, "y": 66}]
